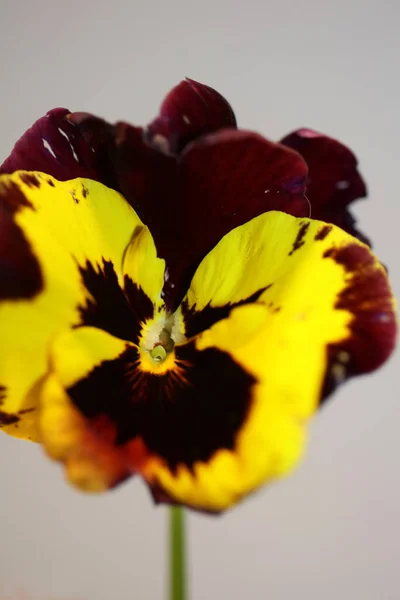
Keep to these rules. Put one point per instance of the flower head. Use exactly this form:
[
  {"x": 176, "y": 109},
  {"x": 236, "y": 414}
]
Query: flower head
[{"x": 168, "y": 307}]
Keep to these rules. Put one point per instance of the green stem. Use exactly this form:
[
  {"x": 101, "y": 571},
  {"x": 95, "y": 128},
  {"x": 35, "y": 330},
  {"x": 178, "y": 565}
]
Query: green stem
[{"x": 177, "y": 554}]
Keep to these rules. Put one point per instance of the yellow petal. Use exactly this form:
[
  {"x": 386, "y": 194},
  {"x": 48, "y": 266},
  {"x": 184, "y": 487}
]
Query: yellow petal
[
  {"x": 143, "y": 266},
  {"x": 62, "y": 250},
  {"x": 300, "y": 301}
]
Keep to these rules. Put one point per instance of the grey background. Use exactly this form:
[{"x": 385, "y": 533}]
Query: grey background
[{"x": 331, "y": 530}]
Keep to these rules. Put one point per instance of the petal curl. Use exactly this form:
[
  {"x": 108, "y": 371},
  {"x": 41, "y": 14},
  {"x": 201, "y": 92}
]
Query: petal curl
[
  {"x": 62, "y": 250},
  {"x": 190, "y": 110},
  {"x": 333, "y": 182}
]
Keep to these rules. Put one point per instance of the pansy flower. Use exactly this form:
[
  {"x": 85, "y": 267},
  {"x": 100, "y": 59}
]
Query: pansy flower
[{"x": 176, "y": 301}]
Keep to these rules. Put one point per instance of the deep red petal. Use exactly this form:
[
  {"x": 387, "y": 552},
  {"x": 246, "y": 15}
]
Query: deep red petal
[
  {"x": 219, "y": 183},
  {"x": 334, "y": 181},
  {"x": 224, "y": 181},
  {"x": 55, "y": 145},
  {"x": 89, "y": 147},
  {"x": 190, "y": 110},
  {"x": 147, "y": 178}
]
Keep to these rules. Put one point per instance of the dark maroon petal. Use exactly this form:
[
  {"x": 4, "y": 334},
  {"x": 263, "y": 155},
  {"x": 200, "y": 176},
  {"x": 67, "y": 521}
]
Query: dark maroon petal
[
  {"x": 224, "y": 181},
  {"x": 334, "y": 181},
  {"x": 57, "y": 146},
  {"x": 220, "y": 182},
  {"x": 190, "y": 110},
  {"x": 227, "y": 179},
  {"x": 146, "y": 177}
]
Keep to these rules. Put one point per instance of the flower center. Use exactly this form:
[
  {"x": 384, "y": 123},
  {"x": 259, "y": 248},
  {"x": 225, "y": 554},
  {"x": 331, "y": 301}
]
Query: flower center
[
  {"x": 158, "y": 338},
  {"x": 159, "y": 353},
  {"x": 163, "y": 346}
]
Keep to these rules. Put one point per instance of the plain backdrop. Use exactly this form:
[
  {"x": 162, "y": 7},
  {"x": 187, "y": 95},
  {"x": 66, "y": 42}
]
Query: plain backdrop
[{"x": 332, "y": 529}]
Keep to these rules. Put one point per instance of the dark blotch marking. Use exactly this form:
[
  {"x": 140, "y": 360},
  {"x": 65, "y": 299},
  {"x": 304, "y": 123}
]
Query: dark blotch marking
[
  {"x": 26, "y": 411},
  {"x": 12, "y": 198},
  {"x": 30, "y": 180},
  {"x": 323, "y": 232},
  {"x": 197, "y": 321},
  {"x": 372, "y": 331},
  {"x": 184, "y": 419},
  {"x": 119, "y": 312},
  {"x": 85, "y": 191},
  {"x": 20, "y": 272},
  {"x": 141, "y": 306},
  {"x": 51, "y": 183},
  {"x": 329, "y": 253},
  {"x": 273, "y": 308},
  {"x": 7, "y": 419},
  {"x": 299, "y": 241}
]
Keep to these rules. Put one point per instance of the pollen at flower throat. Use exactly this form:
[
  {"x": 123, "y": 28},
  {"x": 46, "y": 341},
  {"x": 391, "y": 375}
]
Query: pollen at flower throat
[
  {"x": 162, "y": 348},
  {"x": 160, "y": 336}
]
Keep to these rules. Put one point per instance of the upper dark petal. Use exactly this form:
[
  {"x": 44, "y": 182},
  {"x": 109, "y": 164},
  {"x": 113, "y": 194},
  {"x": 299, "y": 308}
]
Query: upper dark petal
[
  {"x": 191, "y": 109},
  {"x": 225, "y": 180},
  {"x": 98, "y": 138},
  {"x": 220, "y": 182},
  {"x": 57, "y": 146},
  {"x": 334, "y": 181},
  {"x": 146, "y": 178},
  {"x": 70, "y": 145}
]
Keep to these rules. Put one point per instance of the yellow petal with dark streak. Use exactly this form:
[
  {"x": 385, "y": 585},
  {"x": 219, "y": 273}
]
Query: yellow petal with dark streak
[
  {"x": 292, "y": 303},
  {"x": 53, "y": 235}
]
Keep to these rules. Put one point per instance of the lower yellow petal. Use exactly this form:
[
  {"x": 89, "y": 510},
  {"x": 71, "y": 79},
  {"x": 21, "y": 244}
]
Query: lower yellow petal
[{"x": 85, "y": 445}]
